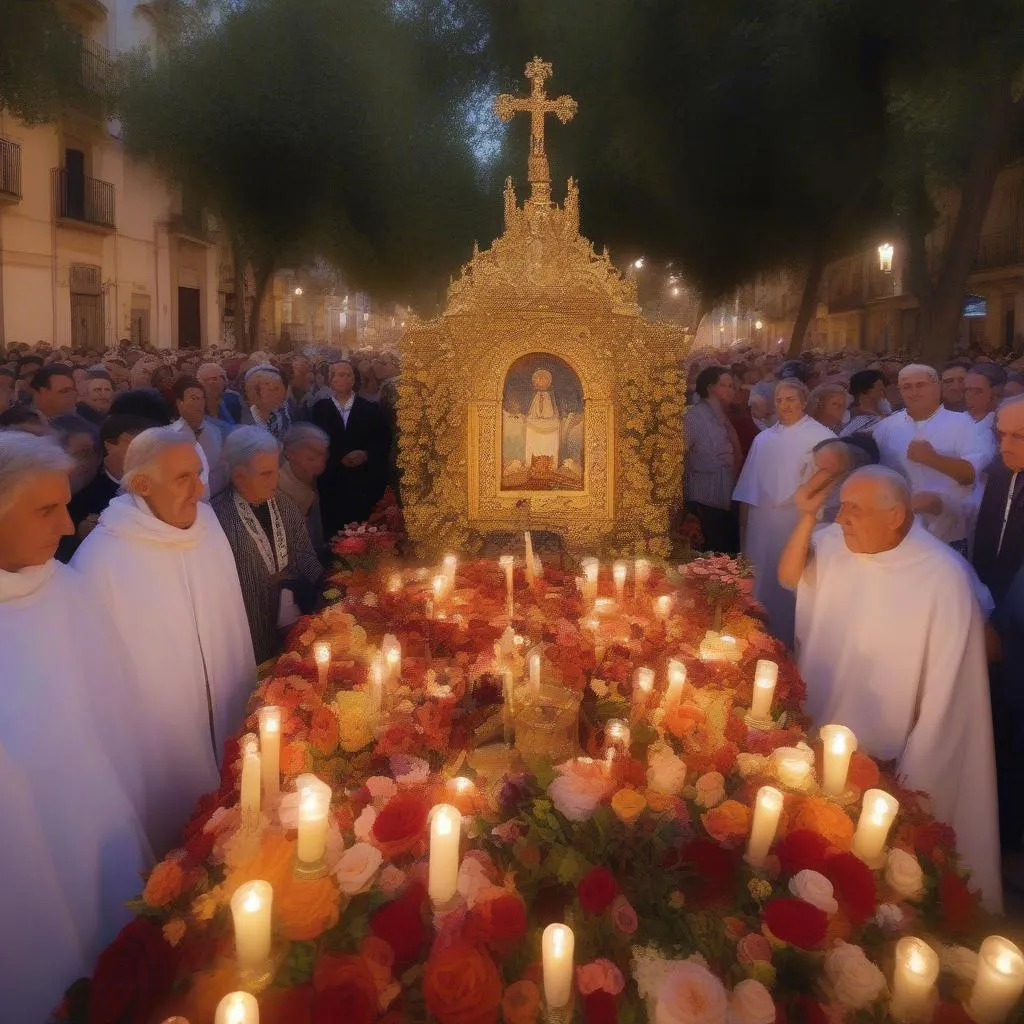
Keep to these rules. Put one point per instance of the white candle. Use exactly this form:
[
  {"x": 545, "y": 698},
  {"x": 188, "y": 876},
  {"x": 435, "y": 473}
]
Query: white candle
[
  {"x": 913, "y": 980},
  {"x": 322, "y": 657},
  {"x": 838, "y": 745},
  {"x": 508, "y": 693},
  {"x": 392, "y": 651},
  {"x": 766, "y": 675},
  {"x": 236, "y": 1008},
  {"x": 641, "y": 574},
  {"x": 663, "y": 606},
  {"x": 445, "y": 833},
  {"x": 643, "y": 685},
  {"x": 249, "y": 797},
  {"x": 439, "y": 587},
  {"x": 877, "y": 813},
  {"x": 793, "y": 766},
  {"x": 557, "y": 946},
  {"x": 314, "y": 817},
  {"x": 250, "y": 911},
  {"x": 616, "y": 737},
  {"x": 270, "y": 748},
  {"x": 376, "y": 686},
  {"x": 531, "y": 568},
  {"x": 767, "y": 810},
  {"x": 449, "y": 565},
  {"x": 676, "y": 682},
  {"x": 394, "y": 583},
  {"x": 999, "y": 982},
  {"x": 534, "y": 666},
  {"x": 508, "y": 563},
  {"x": 591, "y": 568},
  {"x": 507, "y": 644},
  {"x": 619, "y": 575}
]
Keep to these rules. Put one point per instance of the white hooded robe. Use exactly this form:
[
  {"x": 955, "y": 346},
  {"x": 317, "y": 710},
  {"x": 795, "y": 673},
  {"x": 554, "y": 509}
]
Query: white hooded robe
[
  {"x": 175, "y": 599},
  {"x": 74, "y": 848},
  {"x": 892, "y": 646}
]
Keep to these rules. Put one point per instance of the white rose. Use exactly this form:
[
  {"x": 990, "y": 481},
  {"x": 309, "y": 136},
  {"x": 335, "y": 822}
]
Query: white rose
[
  {"x": 356, "y": 867},
  {"x": 814, "y": 888},
  {"x": 690, "y": 994},
  {"x": 577, "y": 797},
  {"x": 903, "y": 875},
  {"x": 472, "y": 880},
  {"x": 855, "y": 980},
  {"x": 666, "y": 773},
  {"x": 889, "y": 917},
  {"x": 751, "y": 1003},
  {"x": 960, "y": 961},
  {"x": 364, "y": 823}
]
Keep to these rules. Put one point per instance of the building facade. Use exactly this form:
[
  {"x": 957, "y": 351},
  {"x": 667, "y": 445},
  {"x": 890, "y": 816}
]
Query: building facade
[{"x": 95, "y": 246}]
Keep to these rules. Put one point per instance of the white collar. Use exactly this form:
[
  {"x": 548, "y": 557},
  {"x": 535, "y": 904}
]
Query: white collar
[
  {"x": 347, "y": 407},
  {"x": 257, "y": 418},
  {"x": 25, "y": 582}
]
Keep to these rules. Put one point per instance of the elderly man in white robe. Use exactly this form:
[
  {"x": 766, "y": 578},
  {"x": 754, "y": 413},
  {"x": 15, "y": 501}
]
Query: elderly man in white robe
[
  {"x": 163, "y": 567},
  {"x": 74, "y": 845},
  {"x": 780, "y": 460},
  {"x": 890, "y": 643}
]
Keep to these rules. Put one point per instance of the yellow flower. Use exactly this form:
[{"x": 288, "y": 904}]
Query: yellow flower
[
  {"x": 677, "y": 900},
  {"x": 174, "y": 931},
  {"x": 628, "y": 805},
  {"x": 759, "y": 889},
  {"x": 354, "y": 726},
  {"x": 205, "y": 906}
]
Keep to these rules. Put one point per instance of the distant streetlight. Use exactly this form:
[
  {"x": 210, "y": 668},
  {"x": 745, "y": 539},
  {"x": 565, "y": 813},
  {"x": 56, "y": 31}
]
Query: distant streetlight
[
  {"x": 298, "y": 291},
  {"x": 758, "y": 324},
  {"x": 638, "y": 263},
  {"x": 675, "y": 293},
  {"x": 885, "y": 254}
]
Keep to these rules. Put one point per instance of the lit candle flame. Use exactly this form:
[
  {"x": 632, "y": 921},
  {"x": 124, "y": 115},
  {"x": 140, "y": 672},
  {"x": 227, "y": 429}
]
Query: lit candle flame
[
  {"x": 322, "y": 653},
  {"x": 1004, "y": 962},
  {"x": 252, "y": 903}
]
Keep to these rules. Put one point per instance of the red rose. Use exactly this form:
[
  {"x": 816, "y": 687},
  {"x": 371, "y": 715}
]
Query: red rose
[
  {"x": 715, "y": 870},
  {"x": 499, "y": 922},
  {"x": 596, "y": 890},
  {"x": 796, "y": 922},
  {"x": 287, "y": 1005},
  {"x": 950, "y": 1013},
  {"x": 802, "y": 850},
  {"x": 854, "y": 886},
  {"x": 400, "y": 825},
  {"x": 802, "y": 1010},
  {"x": 400, "y": 924},
  {"x": 932, "y": 834},
  {"x": 349, "y": 1001},
  {"x": 957, "y": 902},
  {"x": 461, "y": 985},
  {"x": 133, "y": 974},
  {"x": 600, "y": 1008}
]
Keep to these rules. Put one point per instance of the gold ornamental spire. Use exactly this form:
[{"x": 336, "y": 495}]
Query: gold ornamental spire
[{"x": 538, "y": 106}]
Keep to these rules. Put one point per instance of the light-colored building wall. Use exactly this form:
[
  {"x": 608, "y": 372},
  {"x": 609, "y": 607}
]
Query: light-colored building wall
[{"x": 140, "y": 265}]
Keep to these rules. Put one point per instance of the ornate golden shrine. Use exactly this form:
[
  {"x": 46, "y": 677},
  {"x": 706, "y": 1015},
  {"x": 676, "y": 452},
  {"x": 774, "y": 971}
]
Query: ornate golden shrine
[{"x": 541, "y": 291}]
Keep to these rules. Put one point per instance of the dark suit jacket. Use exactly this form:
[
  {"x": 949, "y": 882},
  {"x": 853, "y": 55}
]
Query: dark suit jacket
[
  {"x": 997, "y": 571},
  {"x": 347, "y": 495},
  {"x": 93, "y": 498}
]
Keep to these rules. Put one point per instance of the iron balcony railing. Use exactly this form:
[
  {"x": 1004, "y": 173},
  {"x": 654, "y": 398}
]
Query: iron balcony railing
[
  {"x": 10, "y": 168},
  {"x": 79, "y": 197}
]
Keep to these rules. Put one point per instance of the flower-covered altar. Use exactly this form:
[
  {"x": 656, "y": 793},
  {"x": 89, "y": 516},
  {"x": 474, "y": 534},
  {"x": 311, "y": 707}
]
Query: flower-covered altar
[{"x": 497, "y": 791}]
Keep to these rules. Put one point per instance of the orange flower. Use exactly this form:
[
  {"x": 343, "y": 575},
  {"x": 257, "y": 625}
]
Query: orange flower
[
  {"x": 628, "y": 805},
  {"x": 295, "y": 758},
  {"x": 208, "y": 989},
  {"x": 683, "y": 719},
  {"x": 728, "y": 823},
  {"x": 164, "y": 884},
  {"x": 863, "y": 773},
  {"x": 339, "y": 969},
  {"x": 274, "y": 864},
  {"x": 521, "y": 1003},
  {"x": 826, "y": 818},
  {"x": 323, "y": 731},
  {"x": 306, "y": 908}
]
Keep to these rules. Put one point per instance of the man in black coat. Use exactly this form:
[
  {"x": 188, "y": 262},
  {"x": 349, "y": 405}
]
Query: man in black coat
[{"x": 357, "y": 461}]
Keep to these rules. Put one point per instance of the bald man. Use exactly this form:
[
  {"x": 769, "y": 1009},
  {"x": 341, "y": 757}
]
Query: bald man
[{"x": 891, "y": 644}]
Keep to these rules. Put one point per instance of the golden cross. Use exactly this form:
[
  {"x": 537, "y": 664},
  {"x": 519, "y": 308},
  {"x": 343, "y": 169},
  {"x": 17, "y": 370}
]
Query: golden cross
[{"x": 538, "y": 106}]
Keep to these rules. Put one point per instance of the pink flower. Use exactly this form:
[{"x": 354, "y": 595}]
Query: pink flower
[
  {"x": 391, "y": 879},
  {"x": 624, "y": 916},
  {"x": 599, "y": 976},
  {"x": 753, "y": 948},
  {"x": 508, "y": 831}
]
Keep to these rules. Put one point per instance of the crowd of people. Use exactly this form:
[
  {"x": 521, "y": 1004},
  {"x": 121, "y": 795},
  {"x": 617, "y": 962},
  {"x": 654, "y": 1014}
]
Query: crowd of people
[
  {"x": 879, "y": 504},
  {"x": 164, "y": 520}
]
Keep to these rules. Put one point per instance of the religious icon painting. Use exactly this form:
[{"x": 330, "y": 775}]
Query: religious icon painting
[{"x": 542, "y": 426}]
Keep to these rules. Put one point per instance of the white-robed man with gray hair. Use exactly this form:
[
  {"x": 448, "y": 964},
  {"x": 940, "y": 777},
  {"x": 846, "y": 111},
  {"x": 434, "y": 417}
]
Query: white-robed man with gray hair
[
  {"x": 162, "y": 566},
  {"x": 277, "y": 565},
  {"x": 890, "y": 643},
  {"x": 70, "y": 791},
  {"x": 940, "y": 453}
]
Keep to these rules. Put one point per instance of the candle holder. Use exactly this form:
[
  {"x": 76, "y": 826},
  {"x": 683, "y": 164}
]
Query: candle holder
[
  {"x": 558, "y": 1014},
  {"x": 547, "y": 723},
  {"x": 757, "y": 723},
  {"x": 310, "y": 869},
  {"x": 258, "y": 977}
]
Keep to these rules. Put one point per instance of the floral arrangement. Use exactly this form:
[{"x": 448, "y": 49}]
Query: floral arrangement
[
  {"x": 381, "y": 533},
  {"x": 641, "y": 852}
]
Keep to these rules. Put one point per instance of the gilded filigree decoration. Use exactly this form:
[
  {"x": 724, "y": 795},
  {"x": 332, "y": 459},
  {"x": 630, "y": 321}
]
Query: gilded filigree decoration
[{"x": 541, "y": 288}]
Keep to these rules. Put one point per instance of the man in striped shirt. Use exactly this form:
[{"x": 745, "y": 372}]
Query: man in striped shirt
[{"x": 713, "y": 460}]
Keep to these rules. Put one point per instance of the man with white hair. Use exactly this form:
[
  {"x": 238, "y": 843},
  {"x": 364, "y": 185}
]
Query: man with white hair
[
  {"x": 890, "y": 643},
  {"x": 69, "y": 759},
  {"x": 940, "y": 453},
  {"x": 279, "y": 570},
  {"x": 163, "y": 567}
]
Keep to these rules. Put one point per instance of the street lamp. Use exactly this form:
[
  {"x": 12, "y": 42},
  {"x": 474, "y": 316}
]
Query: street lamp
[
  {"x": 758, "y": 324},
  {"x": 675, "y": 293},
  {"x": 638, "y": 263},
  {"x": 885, "y": 254},
  {"x": 298, "y": 291}
]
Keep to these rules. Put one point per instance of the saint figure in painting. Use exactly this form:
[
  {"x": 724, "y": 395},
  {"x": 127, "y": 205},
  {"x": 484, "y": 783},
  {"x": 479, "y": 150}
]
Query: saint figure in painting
[{"x": 542, "y": 426}]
